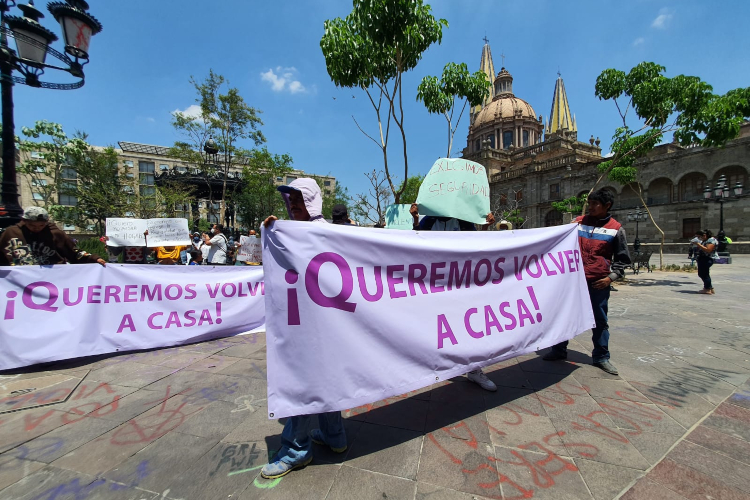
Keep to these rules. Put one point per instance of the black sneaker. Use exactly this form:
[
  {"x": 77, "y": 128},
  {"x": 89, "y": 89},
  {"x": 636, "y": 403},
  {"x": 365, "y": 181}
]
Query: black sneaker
[
  {"x": 555, "y": 356},
  {"x": 607, "y": 367}
]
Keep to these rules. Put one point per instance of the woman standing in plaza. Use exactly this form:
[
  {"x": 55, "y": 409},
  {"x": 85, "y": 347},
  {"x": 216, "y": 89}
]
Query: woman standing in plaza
[{"x": 706, "y": 256}]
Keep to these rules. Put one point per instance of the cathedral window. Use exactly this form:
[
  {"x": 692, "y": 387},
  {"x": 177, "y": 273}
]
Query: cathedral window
[
  {"x": 507, "y": 139},
  {"x": 525, "y": 138},
  {"x": 491, "y": 137},
  {"x": 477, "y": 145}
]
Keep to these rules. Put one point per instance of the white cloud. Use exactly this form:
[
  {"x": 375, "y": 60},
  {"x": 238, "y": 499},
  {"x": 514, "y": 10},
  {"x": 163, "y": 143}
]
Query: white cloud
[
  {"x": 638, "y": 41},
  {"x": 193, "y": 111},
  {"x": 283, "y": 79},
  {"x": 662, "y": 20}
]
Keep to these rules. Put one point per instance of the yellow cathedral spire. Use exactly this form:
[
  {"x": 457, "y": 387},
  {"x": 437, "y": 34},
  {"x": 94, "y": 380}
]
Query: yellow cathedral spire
[
  {"x": 487, "y": 67},
  {"x": 560, "y": 116}
]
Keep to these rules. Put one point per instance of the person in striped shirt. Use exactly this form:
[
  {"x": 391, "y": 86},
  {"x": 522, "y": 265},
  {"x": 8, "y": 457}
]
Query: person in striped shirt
[{"x": 604, "y": 251}]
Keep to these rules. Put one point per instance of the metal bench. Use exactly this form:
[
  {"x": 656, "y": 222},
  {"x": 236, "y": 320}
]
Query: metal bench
[{"x": 640, "y": 260}]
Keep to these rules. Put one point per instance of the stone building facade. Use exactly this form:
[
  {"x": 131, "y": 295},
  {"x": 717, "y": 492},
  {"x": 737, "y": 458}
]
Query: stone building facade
[
  {"x": 145, "y": 164},
  {"x": 555, "y": 166}
]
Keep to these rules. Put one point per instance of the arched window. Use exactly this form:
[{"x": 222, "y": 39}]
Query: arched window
[
  {"x": 734, "y": 174},
  {"x": 691, "y": 187},
  {"x": 629, "y": 197},
  {"x": 553, "y": 218},
  {"x": 659, "y": 191},
  {"x": 507, "y": 139}
]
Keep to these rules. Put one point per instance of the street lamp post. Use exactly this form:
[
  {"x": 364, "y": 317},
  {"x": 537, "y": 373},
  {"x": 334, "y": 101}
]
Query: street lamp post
[
  {"x": 29, "y": 59},
  {"x": 638, "y": 216},
  {"x": 721, "y": 194},
  {"x": 212, "y": 158}
]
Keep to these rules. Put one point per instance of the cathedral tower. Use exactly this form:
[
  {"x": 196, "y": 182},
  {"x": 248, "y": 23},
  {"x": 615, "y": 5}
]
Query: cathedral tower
[{"x": 560, "y": 120}]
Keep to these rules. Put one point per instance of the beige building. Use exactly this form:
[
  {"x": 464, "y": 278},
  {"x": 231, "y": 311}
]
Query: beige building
[
  {"x": 538, "y": 163},
  {"x": 147, "y": 166}
]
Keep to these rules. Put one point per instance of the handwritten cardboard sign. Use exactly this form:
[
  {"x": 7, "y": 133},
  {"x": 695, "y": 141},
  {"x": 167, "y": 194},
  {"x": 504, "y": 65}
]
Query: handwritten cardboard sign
[
  {"x": 398, "y": 217},
  {"x": 250, "y": 249},
  {"x": 126, "y": 232},
  {"x": 455, "y": 187},
  {"x": 168, "y": 232}
]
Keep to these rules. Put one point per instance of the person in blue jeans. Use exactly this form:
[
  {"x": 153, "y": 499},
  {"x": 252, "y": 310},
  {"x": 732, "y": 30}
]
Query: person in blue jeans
[
  {"x": 604, "y": 251},
  {"x": 304, "y": 202}
]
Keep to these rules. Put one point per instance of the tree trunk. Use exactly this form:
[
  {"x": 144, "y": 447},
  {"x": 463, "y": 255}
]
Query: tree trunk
[{"x": 651, "y": 216}]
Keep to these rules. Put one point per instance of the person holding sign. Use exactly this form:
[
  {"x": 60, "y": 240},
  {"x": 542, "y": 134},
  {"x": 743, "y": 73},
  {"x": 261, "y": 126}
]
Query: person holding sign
[
  {"x": 604, "y": 251},
  {"x": 431, "y": 223},
  {"x": 304, "y": 202}
]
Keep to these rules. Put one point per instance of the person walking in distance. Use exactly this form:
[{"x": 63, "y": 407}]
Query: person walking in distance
[
  {"x": 304, "y": 202},
  {"x": 706, "y": 255},
  {"x": 604, "y": 251}
]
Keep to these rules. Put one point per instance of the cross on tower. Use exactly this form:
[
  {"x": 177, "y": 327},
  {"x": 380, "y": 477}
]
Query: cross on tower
[
  {"x": 485, "y": 39},
  {"x": 502, "y": 55}
]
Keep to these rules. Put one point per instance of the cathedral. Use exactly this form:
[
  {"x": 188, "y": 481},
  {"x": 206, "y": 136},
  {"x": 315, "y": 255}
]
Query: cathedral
[{"x": 533, "y": 161}]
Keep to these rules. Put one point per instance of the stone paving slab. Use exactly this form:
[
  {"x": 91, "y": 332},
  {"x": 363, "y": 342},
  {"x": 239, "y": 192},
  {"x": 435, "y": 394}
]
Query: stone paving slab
[{"x": 191, "y": 422}]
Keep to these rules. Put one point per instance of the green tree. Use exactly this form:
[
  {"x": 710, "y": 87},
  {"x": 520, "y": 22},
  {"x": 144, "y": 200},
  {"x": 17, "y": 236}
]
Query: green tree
[
  {"x": 574, "y": 204},
  {"x": 339, "y": 195},
  {"x": 228, "y": 119},
  {"x": 258, "y": 198},
  {"x": 440, "y": 95},
  {"x": 47, "y": 149},
  {"x": 371, "y": 49},
  {"x": 684, "y": 105},
  {"x": 100, "y": 188},
  {"x": 410, "y": 189}
]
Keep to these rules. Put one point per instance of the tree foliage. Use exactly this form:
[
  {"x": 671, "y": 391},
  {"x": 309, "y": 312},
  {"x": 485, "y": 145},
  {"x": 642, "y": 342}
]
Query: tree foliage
[
  {"x": 339, "y": 195},
  {"x": 224, "y": 116},
  {"x": 684, "y": 105},
  {"x": 574, "y": 204},
  {"x": 51, "y": 148},
  {"x": 100, "y": 188},
  {"x": 258, "y": 197},
  {"x": 371, "y": 49},
  {"x": 410, "y": 189},
  {"x": 440, "y": 95}
]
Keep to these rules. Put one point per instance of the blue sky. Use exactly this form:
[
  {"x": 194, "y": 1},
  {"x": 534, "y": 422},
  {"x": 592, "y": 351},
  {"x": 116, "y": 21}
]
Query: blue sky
[{"x": 142, "y": 61}]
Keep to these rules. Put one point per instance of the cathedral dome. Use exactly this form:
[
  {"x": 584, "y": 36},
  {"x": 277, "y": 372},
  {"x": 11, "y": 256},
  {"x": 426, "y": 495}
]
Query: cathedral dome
[{"x": 504, "y": 106}]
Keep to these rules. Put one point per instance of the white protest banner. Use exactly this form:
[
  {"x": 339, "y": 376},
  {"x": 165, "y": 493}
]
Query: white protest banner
[
  {"x": 455, "y": 188},
  {"x": 168, "y": 232},
  {"x": 354, "y": 317},
  {"x": 126, "y": 232},
  {"x": 250, "y": 249},
  {"x": 69, "y": 311},
  {"x": 398, "y": 217}
]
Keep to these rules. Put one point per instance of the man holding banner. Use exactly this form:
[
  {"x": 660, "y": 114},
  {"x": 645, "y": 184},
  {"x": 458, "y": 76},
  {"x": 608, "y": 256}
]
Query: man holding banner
[
  {"x": 304, "y": 202},
  {"x": 604, "y": 249},
  {"x": 446, "y": 207},
  {"x": 37, "y": 241}
]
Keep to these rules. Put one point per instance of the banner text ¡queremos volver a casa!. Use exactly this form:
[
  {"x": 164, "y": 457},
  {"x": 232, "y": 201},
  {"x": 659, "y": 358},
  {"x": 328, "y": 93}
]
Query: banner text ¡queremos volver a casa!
[
  {"x": 356, "y": 315},
  {"x": 68, "y": 311}
]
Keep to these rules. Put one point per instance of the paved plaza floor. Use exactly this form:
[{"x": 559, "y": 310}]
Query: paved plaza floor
[{"x": 191, "y": 422}]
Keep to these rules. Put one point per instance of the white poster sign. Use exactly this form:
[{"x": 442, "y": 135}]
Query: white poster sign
[
  {"x": 126, "y": 232},
  {"x": 354, "y": 317},
  {"x": 69, "y": 311},
  {"x": 168, "y": 232},
  {"x": 250, "y": 249}
]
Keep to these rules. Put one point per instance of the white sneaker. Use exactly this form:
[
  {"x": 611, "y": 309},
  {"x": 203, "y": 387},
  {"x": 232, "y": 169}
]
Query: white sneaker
[{"x": 478, "y": 377}]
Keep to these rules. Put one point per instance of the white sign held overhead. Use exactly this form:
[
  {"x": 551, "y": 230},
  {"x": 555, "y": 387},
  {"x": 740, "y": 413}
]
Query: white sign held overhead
[
  {"x": 168, "y": 232},
  {"x": 126, "y": 232},
  {"x": 250, "y": 249}
]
